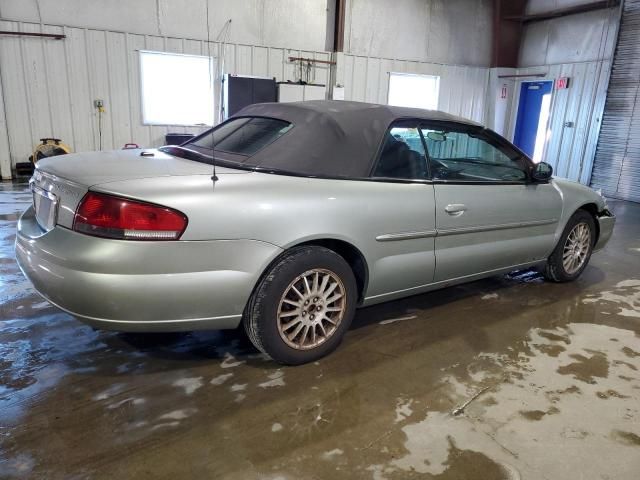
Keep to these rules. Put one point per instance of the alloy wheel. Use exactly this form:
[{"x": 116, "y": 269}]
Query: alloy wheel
[
  {"x": 311, "y": 309},
  {"x": 576, "y": 248}
]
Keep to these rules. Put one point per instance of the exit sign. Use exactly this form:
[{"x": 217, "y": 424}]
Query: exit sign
[{"x": 562, "y": 83}]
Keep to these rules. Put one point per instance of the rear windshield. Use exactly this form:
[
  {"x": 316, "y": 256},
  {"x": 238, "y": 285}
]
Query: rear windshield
[{"x": 240, "y": 136}]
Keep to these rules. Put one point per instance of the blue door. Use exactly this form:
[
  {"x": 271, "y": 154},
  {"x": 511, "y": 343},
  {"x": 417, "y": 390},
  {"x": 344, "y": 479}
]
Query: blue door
[{"x": 532, "y": 97}]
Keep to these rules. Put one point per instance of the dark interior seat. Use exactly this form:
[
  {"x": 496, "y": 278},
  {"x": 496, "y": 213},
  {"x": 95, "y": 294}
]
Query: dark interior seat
[{"x": 399, "y": 161}]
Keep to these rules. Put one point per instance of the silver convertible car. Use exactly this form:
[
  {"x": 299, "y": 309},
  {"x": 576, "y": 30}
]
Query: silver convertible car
[{"x": 288, "y": 217}]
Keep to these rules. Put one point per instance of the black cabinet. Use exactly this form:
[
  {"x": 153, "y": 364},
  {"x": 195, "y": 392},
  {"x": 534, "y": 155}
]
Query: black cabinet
[{"x": 239, "y": 91}]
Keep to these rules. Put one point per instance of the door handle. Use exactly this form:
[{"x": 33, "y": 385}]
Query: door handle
[{"x": 455, "y": 209}]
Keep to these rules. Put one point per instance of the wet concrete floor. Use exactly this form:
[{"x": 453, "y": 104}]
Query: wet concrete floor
[{"x": 505, "y": 378}]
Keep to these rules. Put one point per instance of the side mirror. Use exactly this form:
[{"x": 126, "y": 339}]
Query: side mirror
[{"x": 542, "y": 172}]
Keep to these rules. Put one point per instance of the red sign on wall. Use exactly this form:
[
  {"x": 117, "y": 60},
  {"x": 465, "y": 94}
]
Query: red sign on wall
[{"x": 562, "y": 83}]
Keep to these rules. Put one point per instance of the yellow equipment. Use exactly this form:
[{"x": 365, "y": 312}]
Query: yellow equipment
[{"x": 50, "y": 147}]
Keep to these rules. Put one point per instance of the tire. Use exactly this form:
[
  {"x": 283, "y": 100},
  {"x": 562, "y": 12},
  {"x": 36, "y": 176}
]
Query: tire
[
  {"x": 271, "y": 318},
  {"x": 556, "y": 269}
]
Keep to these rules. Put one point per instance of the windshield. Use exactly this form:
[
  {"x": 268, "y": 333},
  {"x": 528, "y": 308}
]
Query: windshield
[{"x": 240, "y": 136}]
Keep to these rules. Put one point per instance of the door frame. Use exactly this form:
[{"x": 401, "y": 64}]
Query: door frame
[{"x": 515, "y": 106}]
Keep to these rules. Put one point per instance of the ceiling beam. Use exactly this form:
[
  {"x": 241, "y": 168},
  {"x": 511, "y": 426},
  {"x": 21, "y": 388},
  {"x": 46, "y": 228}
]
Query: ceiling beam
[
  {"x": 55, "y": 36},
  {"x": 506, "y": 32},
  {"x": 563, "y": 12},
  {"x": 338, "y": 33}
]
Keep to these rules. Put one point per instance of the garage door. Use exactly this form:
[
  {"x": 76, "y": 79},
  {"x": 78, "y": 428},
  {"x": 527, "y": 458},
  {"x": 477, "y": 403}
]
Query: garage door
[{"x": 616, "y": 169}]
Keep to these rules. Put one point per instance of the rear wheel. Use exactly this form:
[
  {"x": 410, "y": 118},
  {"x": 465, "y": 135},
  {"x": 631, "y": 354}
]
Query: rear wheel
[
  {"x": 302, "y": 307},
  {"x": 573, "y": 251}
]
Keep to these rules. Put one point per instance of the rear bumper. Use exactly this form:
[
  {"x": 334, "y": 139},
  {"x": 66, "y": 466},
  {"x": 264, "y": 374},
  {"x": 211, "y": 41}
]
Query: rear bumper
[
  {"x": 606, "y": 222},
  {"x": 142, "y": 286}
]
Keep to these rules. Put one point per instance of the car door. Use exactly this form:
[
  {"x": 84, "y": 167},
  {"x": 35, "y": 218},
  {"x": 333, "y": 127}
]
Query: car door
[
  {"x": 489, "y": 215},
  {"x": 403, "y": 257}
]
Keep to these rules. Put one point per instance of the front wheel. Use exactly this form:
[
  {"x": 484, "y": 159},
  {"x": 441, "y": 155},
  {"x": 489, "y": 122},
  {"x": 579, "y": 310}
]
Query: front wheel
[
  {"x": 302, "y": 307},
  {"x": 573, "y": 251}
]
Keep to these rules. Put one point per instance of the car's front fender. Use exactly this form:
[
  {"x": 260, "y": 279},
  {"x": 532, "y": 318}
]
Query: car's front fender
[{"x": 574, "y": 197}]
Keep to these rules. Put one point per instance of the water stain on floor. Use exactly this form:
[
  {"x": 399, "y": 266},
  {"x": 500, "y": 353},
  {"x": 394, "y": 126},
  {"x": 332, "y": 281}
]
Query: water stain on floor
[
  {"x": 625, "y": 295},
  {"x": 559, "y": 403},
  {"x": 468, "y": 465},
  {"x": 536, "y": 415},
  {"x": 586, "y": 368},
  {"x": 610, "y": 393},
  {"x": 626, "y": 438}
]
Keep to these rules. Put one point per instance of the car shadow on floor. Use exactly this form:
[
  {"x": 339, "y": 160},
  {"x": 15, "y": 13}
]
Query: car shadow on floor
[
  {"x": 522, "y": 289},
  {"x": 519, "y": 286}
]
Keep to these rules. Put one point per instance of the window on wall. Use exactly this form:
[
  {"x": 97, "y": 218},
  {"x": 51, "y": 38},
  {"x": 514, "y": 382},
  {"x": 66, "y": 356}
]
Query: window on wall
[
  {"x": 419, "y": 91},
  {"x": 176, "y": 89}
]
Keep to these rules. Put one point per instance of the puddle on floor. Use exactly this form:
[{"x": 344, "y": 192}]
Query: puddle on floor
[{"x": 540, "y": 405}]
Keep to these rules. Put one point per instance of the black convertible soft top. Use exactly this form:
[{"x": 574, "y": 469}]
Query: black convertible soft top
[{"x": 331, "y": 138}]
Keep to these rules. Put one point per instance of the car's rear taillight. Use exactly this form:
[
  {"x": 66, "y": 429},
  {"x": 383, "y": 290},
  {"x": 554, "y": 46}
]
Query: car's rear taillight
[{"x": 122, "y": 218}]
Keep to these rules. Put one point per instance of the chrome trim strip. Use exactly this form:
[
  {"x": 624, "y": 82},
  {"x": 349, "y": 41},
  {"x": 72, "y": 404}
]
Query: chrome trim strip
[
  {"x": 393, "y": 237},
  {"x": 487, "y": 228}
]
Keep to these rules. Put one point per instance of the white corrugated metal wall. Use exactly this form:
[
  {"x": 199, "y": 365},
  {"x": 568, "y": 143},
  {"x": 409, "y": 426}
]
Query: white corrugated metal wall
[
  {"x": 617, "y": 161},
  {"x": 49, "y": 85},
  {"x": 579, "y": 47},
  {"x": 305, "y": 24},
  {"x": 463, "y": 89}
]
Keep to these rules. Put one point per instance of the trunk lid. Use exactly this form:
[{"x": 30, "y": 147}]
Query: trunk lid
[
  {"x": 66, "y": 178},
  {"x": 93, "y": 168}
]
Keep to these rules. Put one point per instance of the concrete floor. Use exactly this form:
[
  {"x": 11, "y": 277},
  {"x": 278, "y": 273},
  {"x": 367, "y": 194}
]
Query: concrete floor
[{"x": 505, "y": 378}]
